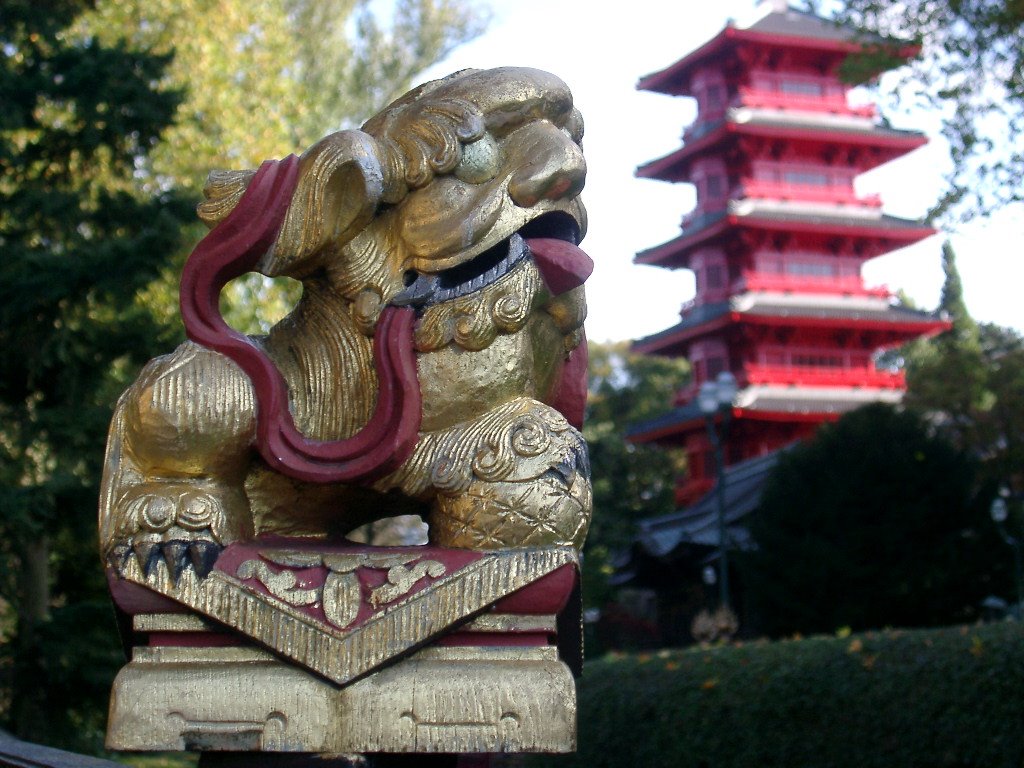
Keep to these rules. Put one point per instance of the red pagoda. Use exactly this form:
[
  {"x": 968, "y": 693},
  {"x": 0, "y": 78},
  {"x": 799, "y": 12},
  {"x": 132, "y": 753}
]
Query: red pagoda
[{"x": 777, "y": 239}]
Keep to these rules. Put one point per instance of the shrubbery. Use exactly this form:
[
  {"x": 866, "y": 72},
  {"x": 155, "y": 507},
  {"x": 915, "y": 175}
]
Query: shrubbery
[{"x": 945, "y": 697}]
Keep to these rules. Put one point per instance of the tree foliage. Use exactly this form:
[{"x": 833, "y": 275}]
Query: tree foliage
[
  {"x": 113, "y": 113},
  {"x": 78, "y": 242},
  {"x": 631, "y": 482},
  {"x": 262, "y": 79},
  {"x": 970, "y": 381},
  {"x": 872, "y": 523},
  {"x": 970, "y": 70}
]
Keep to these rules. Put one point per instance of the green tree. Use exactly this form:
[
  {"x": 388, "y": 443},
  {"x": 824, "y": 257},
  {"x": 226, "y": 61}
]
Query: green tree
[
  {"x": 970, "y": 70},
  {"x": 872, "y": 523},
  {"x": 946, "y": 375},
  {"x": 78, "y": 242},
  {"x": 631, "y": 482},
  {"x": 970, "y": 381},
  {"x": 102, "y": 127},
  {"x": 263, "y": 79}
]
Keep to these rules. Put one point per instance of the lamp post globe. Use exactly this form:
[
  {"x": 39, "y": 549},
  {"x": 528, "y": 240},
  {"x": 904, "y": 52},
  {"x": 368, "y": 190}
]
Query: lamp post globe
[
  {"x": 999, "y": 511},
  {"x": 707, "y": 398},
  {"x": 726, "y": 388}
]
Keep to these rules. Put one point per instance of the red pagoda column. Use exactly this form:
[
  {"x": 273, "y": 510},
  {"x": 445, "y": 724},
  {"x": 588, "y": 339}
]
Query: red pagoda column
[{"x": 777, "y": 239}]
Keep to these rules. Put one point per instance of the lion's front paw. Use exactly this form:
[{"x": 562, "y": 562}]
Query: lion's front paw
[{"x": 184, "y": 524}]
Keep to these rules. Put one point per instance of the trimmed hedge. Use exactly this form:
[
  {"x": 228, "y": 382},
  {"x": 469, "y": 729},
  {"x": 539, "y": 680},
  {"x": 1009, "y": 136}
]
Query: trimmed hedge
[{"x": 892, "y": 699}]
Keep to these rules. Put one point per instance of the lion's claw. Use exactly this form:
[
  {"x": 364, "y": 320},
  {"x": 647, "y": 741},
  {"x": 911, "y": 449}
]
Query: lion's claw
[
  {"x": 178, "y": 554},
  {"x": 203, "y": 555}
]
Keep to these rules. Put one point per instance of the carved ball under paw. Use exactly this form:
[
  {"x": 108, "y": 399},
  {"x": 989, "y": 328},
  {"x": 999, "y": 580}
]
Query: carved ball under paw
[{"x": 545, "y": 511}]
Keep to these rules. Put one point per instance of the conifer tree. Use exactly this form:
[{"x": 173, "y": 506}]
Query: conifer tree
[{"x": 78, "y": 240}]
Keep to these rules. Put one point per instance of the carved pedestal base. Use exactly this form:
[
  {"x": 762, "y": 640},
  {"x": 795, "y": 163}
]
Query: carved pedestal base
[
  {"x": 449, "y": 699},
  {"x": 291, "y": 646}
]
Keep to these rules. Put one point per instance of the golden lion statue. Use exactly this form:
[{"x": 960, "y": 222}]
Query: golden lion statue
[{"x": 434, "y": 364}]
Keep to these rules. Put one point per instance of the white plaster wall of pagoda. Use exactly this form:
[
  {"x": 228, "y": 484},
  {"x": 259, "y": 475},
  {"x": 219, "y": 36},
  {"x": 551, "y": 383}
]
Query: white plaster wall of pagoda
[
  {"x": 799, "y": 117},
  {"x": 806, "y": 399},
  {"x": 751, "y": 206},
  {"x": 749, "y": 302}
]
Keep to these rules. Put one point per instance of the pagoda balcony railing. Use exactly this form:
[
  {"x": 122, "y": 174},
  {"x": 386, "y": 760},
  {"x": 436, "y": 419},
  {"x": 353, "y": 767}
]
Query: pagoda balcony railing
[
  {"x": 837, "y": 104},
  {"x": 821, "y": 376},
  {"x": 810, "y": 193},
  {"x": 848, "y": 285}
]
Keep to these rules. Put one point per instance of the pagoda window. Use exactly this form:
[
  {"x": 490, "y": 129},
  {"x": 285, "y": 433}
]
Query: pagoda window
[
  {"x": 802, "y": 87},
  {"x": 716, "y": 187},
  {"x": 715, "y": 365},
  {"x": 715, "y": 97},
  {"x": 709, "y": 176},
  {"x": 811, "y": 268},
  {"x": 709, "y": 89},
  {"x": 708, "y": 358},
  {"x": 806, "y": 178},
  {"x": 715, "y": 276}
]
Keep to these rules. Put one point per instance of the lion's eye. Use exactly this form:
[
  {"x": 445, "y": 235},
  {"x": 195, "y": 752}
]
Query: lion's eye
[{"x": 479, "y": 161}]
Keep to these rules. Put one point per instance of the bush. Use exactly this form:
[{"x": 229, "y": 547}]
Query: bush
[
  {"x": 870, "y": 524},
  {"x": 947, "y": 697}
]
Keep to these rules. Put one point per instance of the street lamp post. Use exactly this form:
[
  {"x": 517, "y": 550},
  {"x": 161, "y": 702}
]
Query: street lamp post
[
  {"x": 714, "y": 398},
  {"x": 1000, "y": 512}
]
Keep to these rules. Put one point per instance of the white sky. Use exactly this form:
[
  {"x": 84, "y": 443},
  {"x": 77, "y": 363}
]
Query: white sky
[{"x": 601, "y": 54}]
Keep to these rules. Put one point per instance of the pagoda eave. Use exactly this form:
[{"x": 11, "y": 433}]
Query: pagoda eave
[
  {"x": 891, "y": 330},
  {"x": 674, "y": 253},
  {"x": 668, "y": 429},
  {"x": 675, "y": 166}
]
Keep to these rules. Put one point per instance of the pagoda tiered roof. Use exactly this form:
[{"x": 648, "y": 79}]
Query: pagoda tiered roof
[
  {"x": 893, "y": 321},
  {"x": 889, "y": 232},
  {"x": 878, "y": 144},
  {"x": 792, "y": 29},
  {"x": 766, "y": 403}
]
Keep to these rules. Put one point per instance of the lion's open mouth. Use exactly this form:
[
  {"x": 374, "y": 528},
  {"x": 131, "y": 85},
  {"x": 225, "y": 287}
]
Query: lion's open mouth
[{"x": 552, "y": 240}]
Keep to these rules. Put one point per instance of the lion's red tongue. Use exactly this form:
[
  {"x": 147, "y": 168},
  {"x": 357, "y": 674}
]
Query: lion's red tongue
[{"x": 562, "y": 265}]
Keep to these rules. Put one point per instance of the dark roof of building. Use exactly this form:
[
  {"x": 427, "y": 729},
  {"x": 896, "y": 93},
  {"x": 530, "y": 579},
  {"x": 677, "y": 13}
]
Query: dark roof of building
[
  {"x": 699, "y": 315},
  {"x": 669, "y": 424},
  {"x": 698, "y": 524},
  {"x": 802, "y": 24}
]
